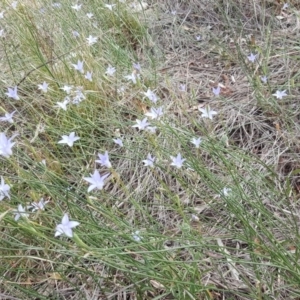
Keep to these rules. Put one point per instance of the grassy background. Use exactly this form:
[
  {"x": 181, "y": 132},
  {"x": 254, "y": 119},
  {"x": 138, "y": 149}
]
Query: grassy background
[{"x": 196, "y": 241}]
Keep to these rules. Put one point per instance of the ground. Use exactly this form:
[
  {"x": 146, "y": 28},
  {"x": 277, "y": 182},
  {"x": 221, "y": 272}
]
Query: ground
[{"x": 224, "y": 225}]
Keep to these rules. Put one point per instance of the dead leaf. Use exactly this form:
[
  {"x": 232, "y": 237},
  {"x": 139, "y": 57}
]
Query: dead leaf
[
  {"x": 157, "y": 285},
  {"x": 54, "y": 276}
]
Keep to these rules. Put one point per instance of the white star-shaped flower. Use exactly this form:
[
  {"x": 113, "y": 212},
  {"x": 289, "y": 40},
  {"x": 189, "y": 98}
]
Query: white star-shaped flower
[
  {"x": 196, "y": 141},
  {"x": 13, "y": 93},
  {"x": 110, "y": 70},
  {"x": 79, "y": 66},
  {"x": 137, "y": 66},
  {"x": 132, "y": 77},
  {"x": 280, "y": 94},
  {"x": 56, "y": 5},
  {"x": 149, "y": 162},
  {"x": 151, "y": 96},
  {"x": 104, "y": 160},
  {"x": 69, "y": 139},
  {"x": 264, "y": 79},
  {"x": 177, "y": 161},
  {"x": 38, "y": 205},
  {"x": 141, "y": 125},
  {"x": 182, "y": 87},
  {"x": 96, "y": 181},
  {"x": 77, "y": 7},
  {"x": 4, "y": 190},
  {"x": 20, "y": 212},
  {"x": 226, "y": 192},
  {"x": 63, "y": 105},
  {"x": 110, "y": 6},
  {"x": 6, "y": 145},
  {"x": 89, "y": 15},
  {"x": 216, "y": 91},
  {"x": 252, "y": 57},
  {"x": 91, "y": 40},
  {"x": 118, "y": 141},
  {"x": 155, "y": 113},
  {"x": 88, "y": 76},
  {"x": 8, "y": 117},
  {"x": 67, "y": 88},
  {"x": 207, "y": 112},
  {"x": 43, "y": 87},
  {"x": 14, "y": 4},
  {"x": 75, "y": 33},
  {"x": 136, "y": 236},
  {"x": 66, "y": 227}
]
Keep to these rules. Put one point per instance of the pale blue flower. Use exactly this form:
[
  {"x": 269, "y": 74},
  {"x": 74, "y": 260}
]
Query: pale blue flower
[
  {"x": 141, "y": 125},
  {"x": 43, "y": 87},
  {"x": 6, "y": 144},
  {"x": 63, "y": 105},
  {"x": 75, "y": 33},
  {"x": 104, "y": 159},
  {"x": 155, "y": 113},
  {"x": 79, "y": 66},
  {"x": 77, "y": 7},
  {"x": 151, "y": 96},
  {"x": 67, "y": 88},
  {"x": 177, "y": 161},
  {"x": 216, "y": 91},
  {"x": 182, "y": 87},
  {"x": 137, "y": 66},
  {"x": 69, "y": 139},
  {"x": 252, "y": 57},
  {"x": 56, "y": 5},
  {"x": 132, "y": 77},
  {"x": 96, "y": 181},
  {"x": 91, "y": 40},
  {"x": 136, "y": 236},
  {"x": 264, "y": 79},
  {"x": 280, "y": 94},
  {"x": 66, "y": 227},
  {"x": 4, "y": 190},
  {"x": 88, "y": 76},
  {"x": 121, "y": 90},
  {"x": 110, "y": 6},
  {"x": 8, "y": 117},
  {"x": 38, "y": 205},
  {"x": 226, "y": 191},
  {"x": 149, "y": 162},
  {"x": 13, "y": 93},
  {"x": 207, "y": 112},
  {"x": 20, "y": 212},
  {"x": 118, "y": 141},
  {"x": 14, "y": 4},
  {"x": 79, "y": 95},
  {"x": 110, "y": 70},
  {"x": 196, "y": 141}
]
